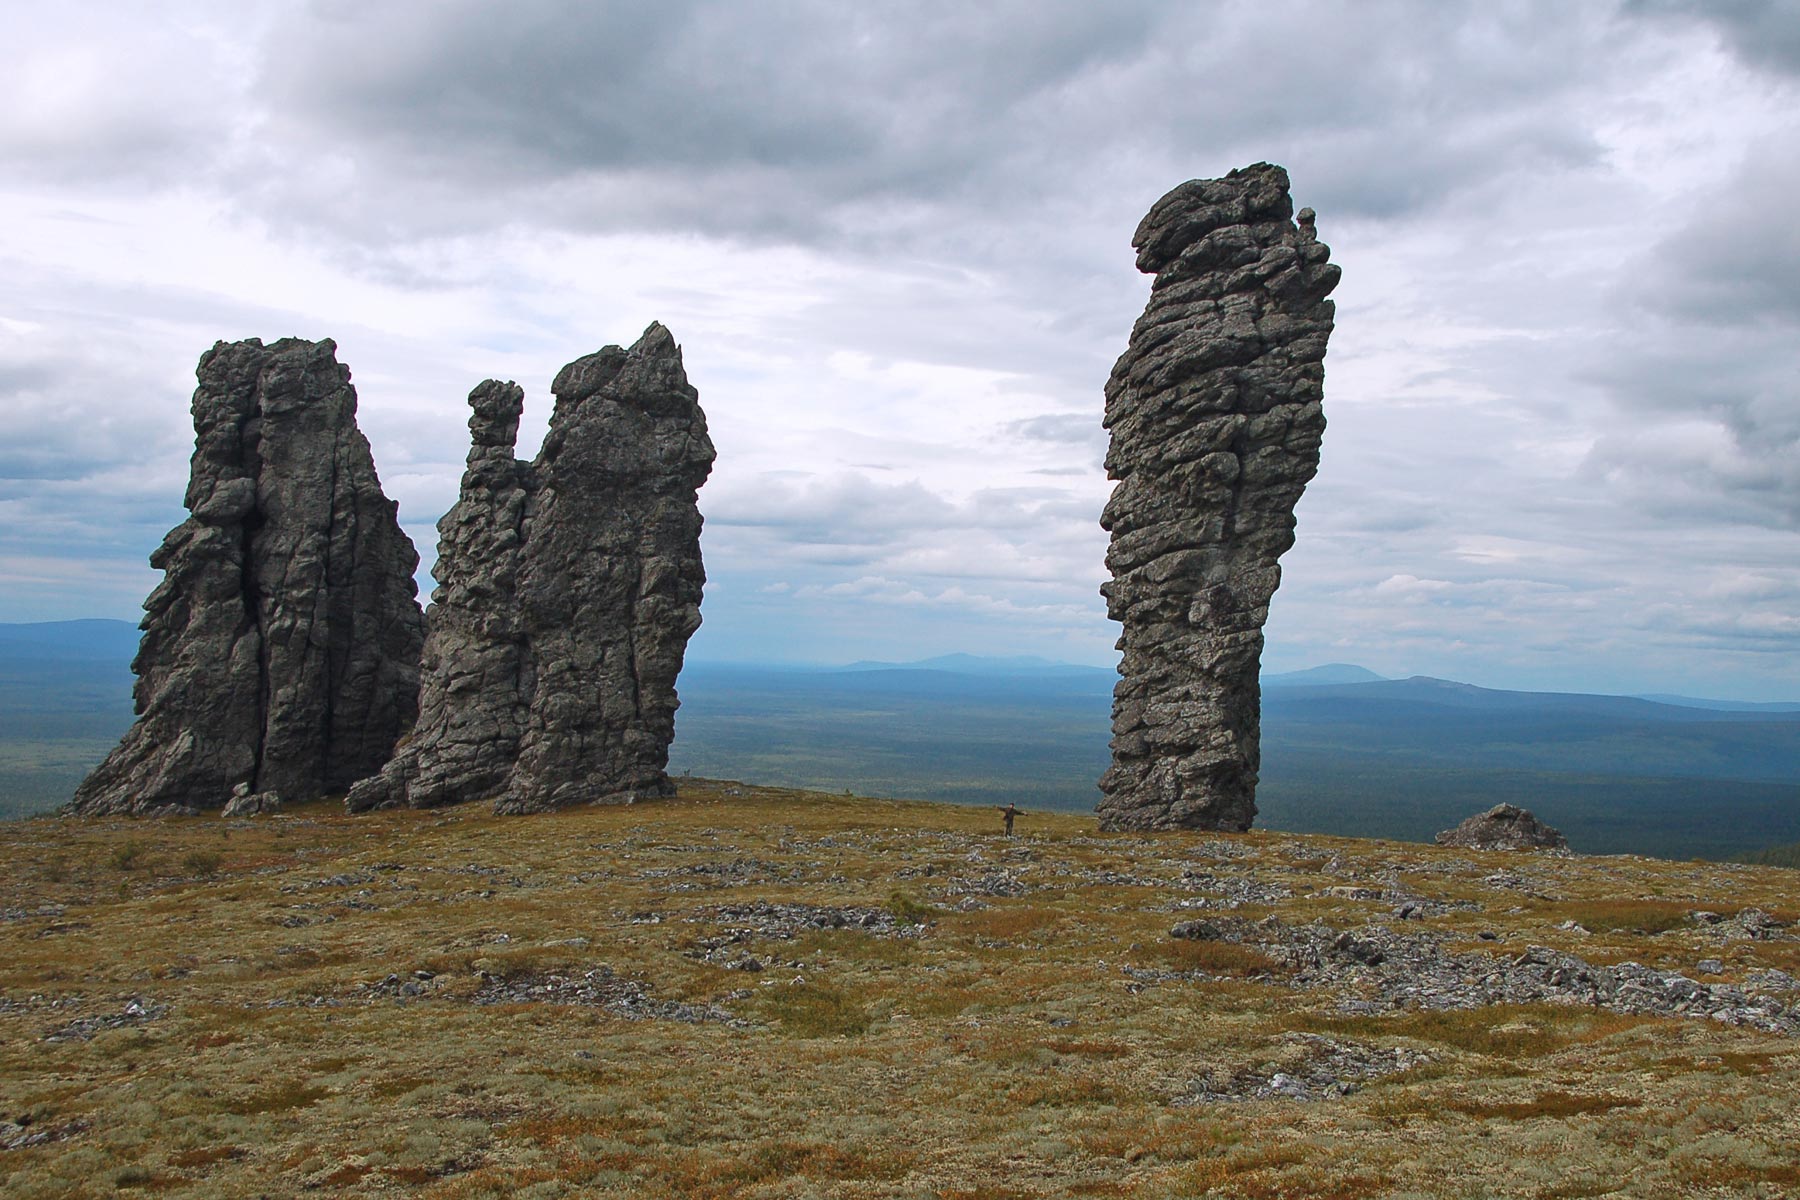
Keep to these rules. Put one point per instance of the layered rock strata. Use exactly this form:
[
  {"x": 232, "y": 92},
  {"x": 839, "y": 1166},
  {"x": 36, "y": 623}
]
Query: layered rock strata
[
  {"x": 280, "y": 654},
  {"x": 568, "y": 590},
  {"x": 1215, "y": 416}
]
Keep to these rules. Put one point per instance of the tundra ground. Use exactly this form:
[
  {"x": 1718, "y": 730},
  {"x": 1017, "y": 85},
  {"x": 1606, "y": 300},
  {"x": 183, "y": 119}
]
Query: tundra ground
[{"x": 768, "y": 993}]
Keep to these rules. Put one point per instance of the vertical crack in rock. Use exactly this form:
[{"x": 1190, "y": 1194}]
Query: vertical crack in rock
[
  {"x": 1215, "y": 416},
  {"x": 281, "y": 649},
  {"x": 568, "y": 590}
]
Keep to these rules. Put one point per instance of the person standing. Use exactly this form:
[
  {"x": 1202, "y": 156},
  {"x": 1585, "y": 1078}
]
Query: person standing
[{"x": 1009, "y": 811}]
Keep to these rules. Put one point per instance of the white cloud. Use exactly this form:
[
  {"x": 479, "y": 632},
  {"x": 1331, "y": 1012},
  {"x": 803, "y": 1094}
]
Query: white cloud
[{"x": 895, "y": 249}]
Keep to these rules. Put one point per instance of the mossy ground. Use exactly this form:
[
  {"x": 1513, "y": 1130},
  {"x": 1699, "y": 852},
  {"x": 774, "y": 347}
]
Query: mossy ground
[{"x": 999, "y": 1052}]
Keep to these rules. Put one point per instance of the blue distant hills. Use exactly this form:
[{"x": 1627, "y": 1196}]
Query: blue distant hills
[{"x": 1345, "y": 750}]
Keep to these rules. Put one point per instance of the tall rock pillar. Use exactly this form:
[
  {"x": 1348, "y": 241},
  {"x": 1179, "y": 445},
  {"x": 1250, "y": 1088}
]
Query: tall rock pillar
[
  {"x": 281, "y": 650},
  {"x": 568, "y": 590},
  {"x": 475, "y": 673},
  {"x": 1214, "y": 411}
]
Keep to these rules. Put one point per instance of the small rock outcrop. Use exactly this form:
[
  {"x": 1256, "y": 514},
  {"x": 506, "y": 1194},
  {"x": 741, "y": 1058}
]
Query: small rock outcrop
[
  {"x": 246, "y": 803},
  {"x": 568, "y": 588},
  {"x": 281, "y": 650},
  {"x": 1504, "y": 827},
  {"x": 1216, "y": 421}
]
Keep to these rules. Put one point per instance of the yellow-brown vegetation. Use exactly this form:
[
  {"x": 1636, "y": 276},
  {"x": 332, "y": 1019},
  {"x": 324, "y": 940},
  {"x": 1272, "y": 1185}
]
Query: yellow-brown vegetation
[{"x": 456, "y": 1006}]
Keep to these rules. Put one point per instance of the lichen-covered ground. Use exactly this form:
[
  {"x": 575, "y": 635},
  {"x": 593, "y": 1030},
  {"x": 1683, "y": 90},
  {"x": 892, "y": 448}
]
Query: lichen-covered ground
[{"x": 765, "y": 993}]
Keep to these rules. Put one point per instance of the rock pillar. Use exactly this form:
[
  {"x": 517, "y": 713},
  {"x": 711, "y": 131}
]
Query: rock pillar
[
  {"x": 1214, "y": 411},
  {"x": 568, "y": 590},
  {"x": 281, "y": 650}
]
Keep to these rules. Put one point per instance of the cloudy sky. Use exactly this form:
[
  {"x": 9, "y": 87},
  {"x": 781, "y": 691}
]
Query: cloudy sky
[{"x": 893, "y": 239}]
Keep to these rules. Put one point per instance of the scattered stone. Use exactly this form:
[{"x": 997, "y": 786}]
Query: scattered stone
[
  {"x": 765, "y": 919},
  {"x": 1771, "y": 980},
  {"x": 281, "y": 649},
  {"x": 136, "y": 1011},
  {"x": 600, "y": 988},
  {"x": 1504, "y": 827},
  {"x": 47, "y": 911},
  {"x": 1312, "y": 1068},
  {"x": 246, "y": 803},
  {"x": 1752, "y": 923},
  {"x": 567, "y": 590},
  {"x": 343, "y": 879},
  {"x": 1216, "y": 423},
  {"x": 1227, "y": 891},
  {"x": 783, "y": 922},
  {"x": 1377, "y": 969},
  {"x": 1000, "y": 881},
  {"x": 23, "y": 1132},
  {"x": 735, "y": 873}
]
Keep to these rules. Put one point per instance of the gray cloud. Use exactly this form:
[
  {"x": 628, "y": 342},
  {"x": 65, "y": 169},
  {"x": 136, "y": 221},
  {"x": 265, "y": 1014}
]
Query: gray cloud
[
  {"x": 895, "y": 241},
  {"x": 113, "y": 104},
  {"x": 1068, "y": 429},
  {"x": 858, "y": 126},
  {"x": 1764, "y": 33},
  {"x": 1709, "y": 370}
]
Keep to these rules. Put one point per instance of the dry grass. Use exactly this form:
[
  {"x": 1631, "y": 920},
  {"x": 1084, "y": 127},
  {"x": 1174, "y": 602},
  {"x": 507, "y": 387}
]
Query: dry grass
[
  {"x": 1004, "y": 1049},
  {"x": 1646, "y": 917},
  {"x": 1503, "y": 1031},
  {"x": 1553, "y": 1104}
]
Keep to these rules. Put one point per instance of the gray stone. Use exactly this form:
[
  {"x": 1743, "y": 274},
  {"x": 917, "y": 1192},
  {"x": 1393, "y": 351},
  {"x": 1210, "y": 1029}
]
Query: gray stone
[
  {"x": 1380, "y": 969},
  {"x": 475, "y": 682},
  {"x": 281, "y": 650},
  {"x": 246, "y": 803},
  {"x": 1504, "y": 827},
  {"x": 568, "y": 590},
  {"x": 1216, "y": 420}
]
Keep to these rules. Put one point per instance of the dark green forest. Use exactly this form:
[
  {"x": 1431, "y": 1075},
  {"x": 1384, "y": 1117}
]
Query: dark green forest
[{"x": 1396, "y": 759}]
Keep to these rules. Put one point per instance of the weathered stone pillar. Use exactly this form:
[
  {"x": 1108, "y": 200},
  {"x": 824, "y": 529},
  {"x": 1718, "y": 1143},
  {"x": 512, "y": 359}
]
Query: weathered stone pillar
[
  {"x": 281, "y": 650},
  {"x": 569, "y": 588},
  {"x": 1215, "y": 417}
]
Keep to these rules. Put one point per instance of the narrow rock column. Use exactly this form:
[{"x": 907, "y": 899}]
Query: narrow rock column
[
  {"x": 610, "y": 585},
  {"x": 475, "y": 673},
  {"x": 1215, "y": 416},
  {"x": 281, "y": 650},
  {"x": 569, "y": 588}
]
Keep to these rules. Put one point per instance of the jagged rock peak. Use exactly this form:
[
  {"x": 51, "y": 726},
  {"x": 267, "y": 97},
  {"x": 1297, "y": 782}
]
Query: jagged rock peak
[
  {"x": 1216, "y": 419},
  {"x": 568, "y": 589},
  {"x": 281, "y": 651},
  {"x": 1504, "y": 827}
]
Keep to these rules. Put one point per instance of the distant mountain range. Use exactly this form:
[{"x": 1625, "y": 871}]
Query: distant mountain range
[{"x": 1345, "y": 751}]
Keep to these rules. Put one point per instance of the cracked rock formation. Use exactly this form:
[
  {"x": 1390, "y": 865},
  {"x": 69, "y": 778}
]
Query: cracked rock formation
[
  {"x": 1504, "y": 827},
  {"x": 474, "y": 684},
  {"x": 568, "y": 589},
  {"x": 280, "y": 653},
  {"x": 1215, "y": 416}
]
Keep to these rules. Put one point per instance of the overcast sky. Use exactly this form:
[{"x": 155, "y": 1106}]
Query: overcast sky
[{"x": 893, "y": 240}]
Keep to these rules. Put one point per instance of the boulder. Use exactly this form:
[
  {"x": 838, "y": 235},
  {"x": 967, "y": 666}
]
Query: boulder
[
  {"x": 1504, "y": 827},
  {"x": 246, "y": 803}
]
